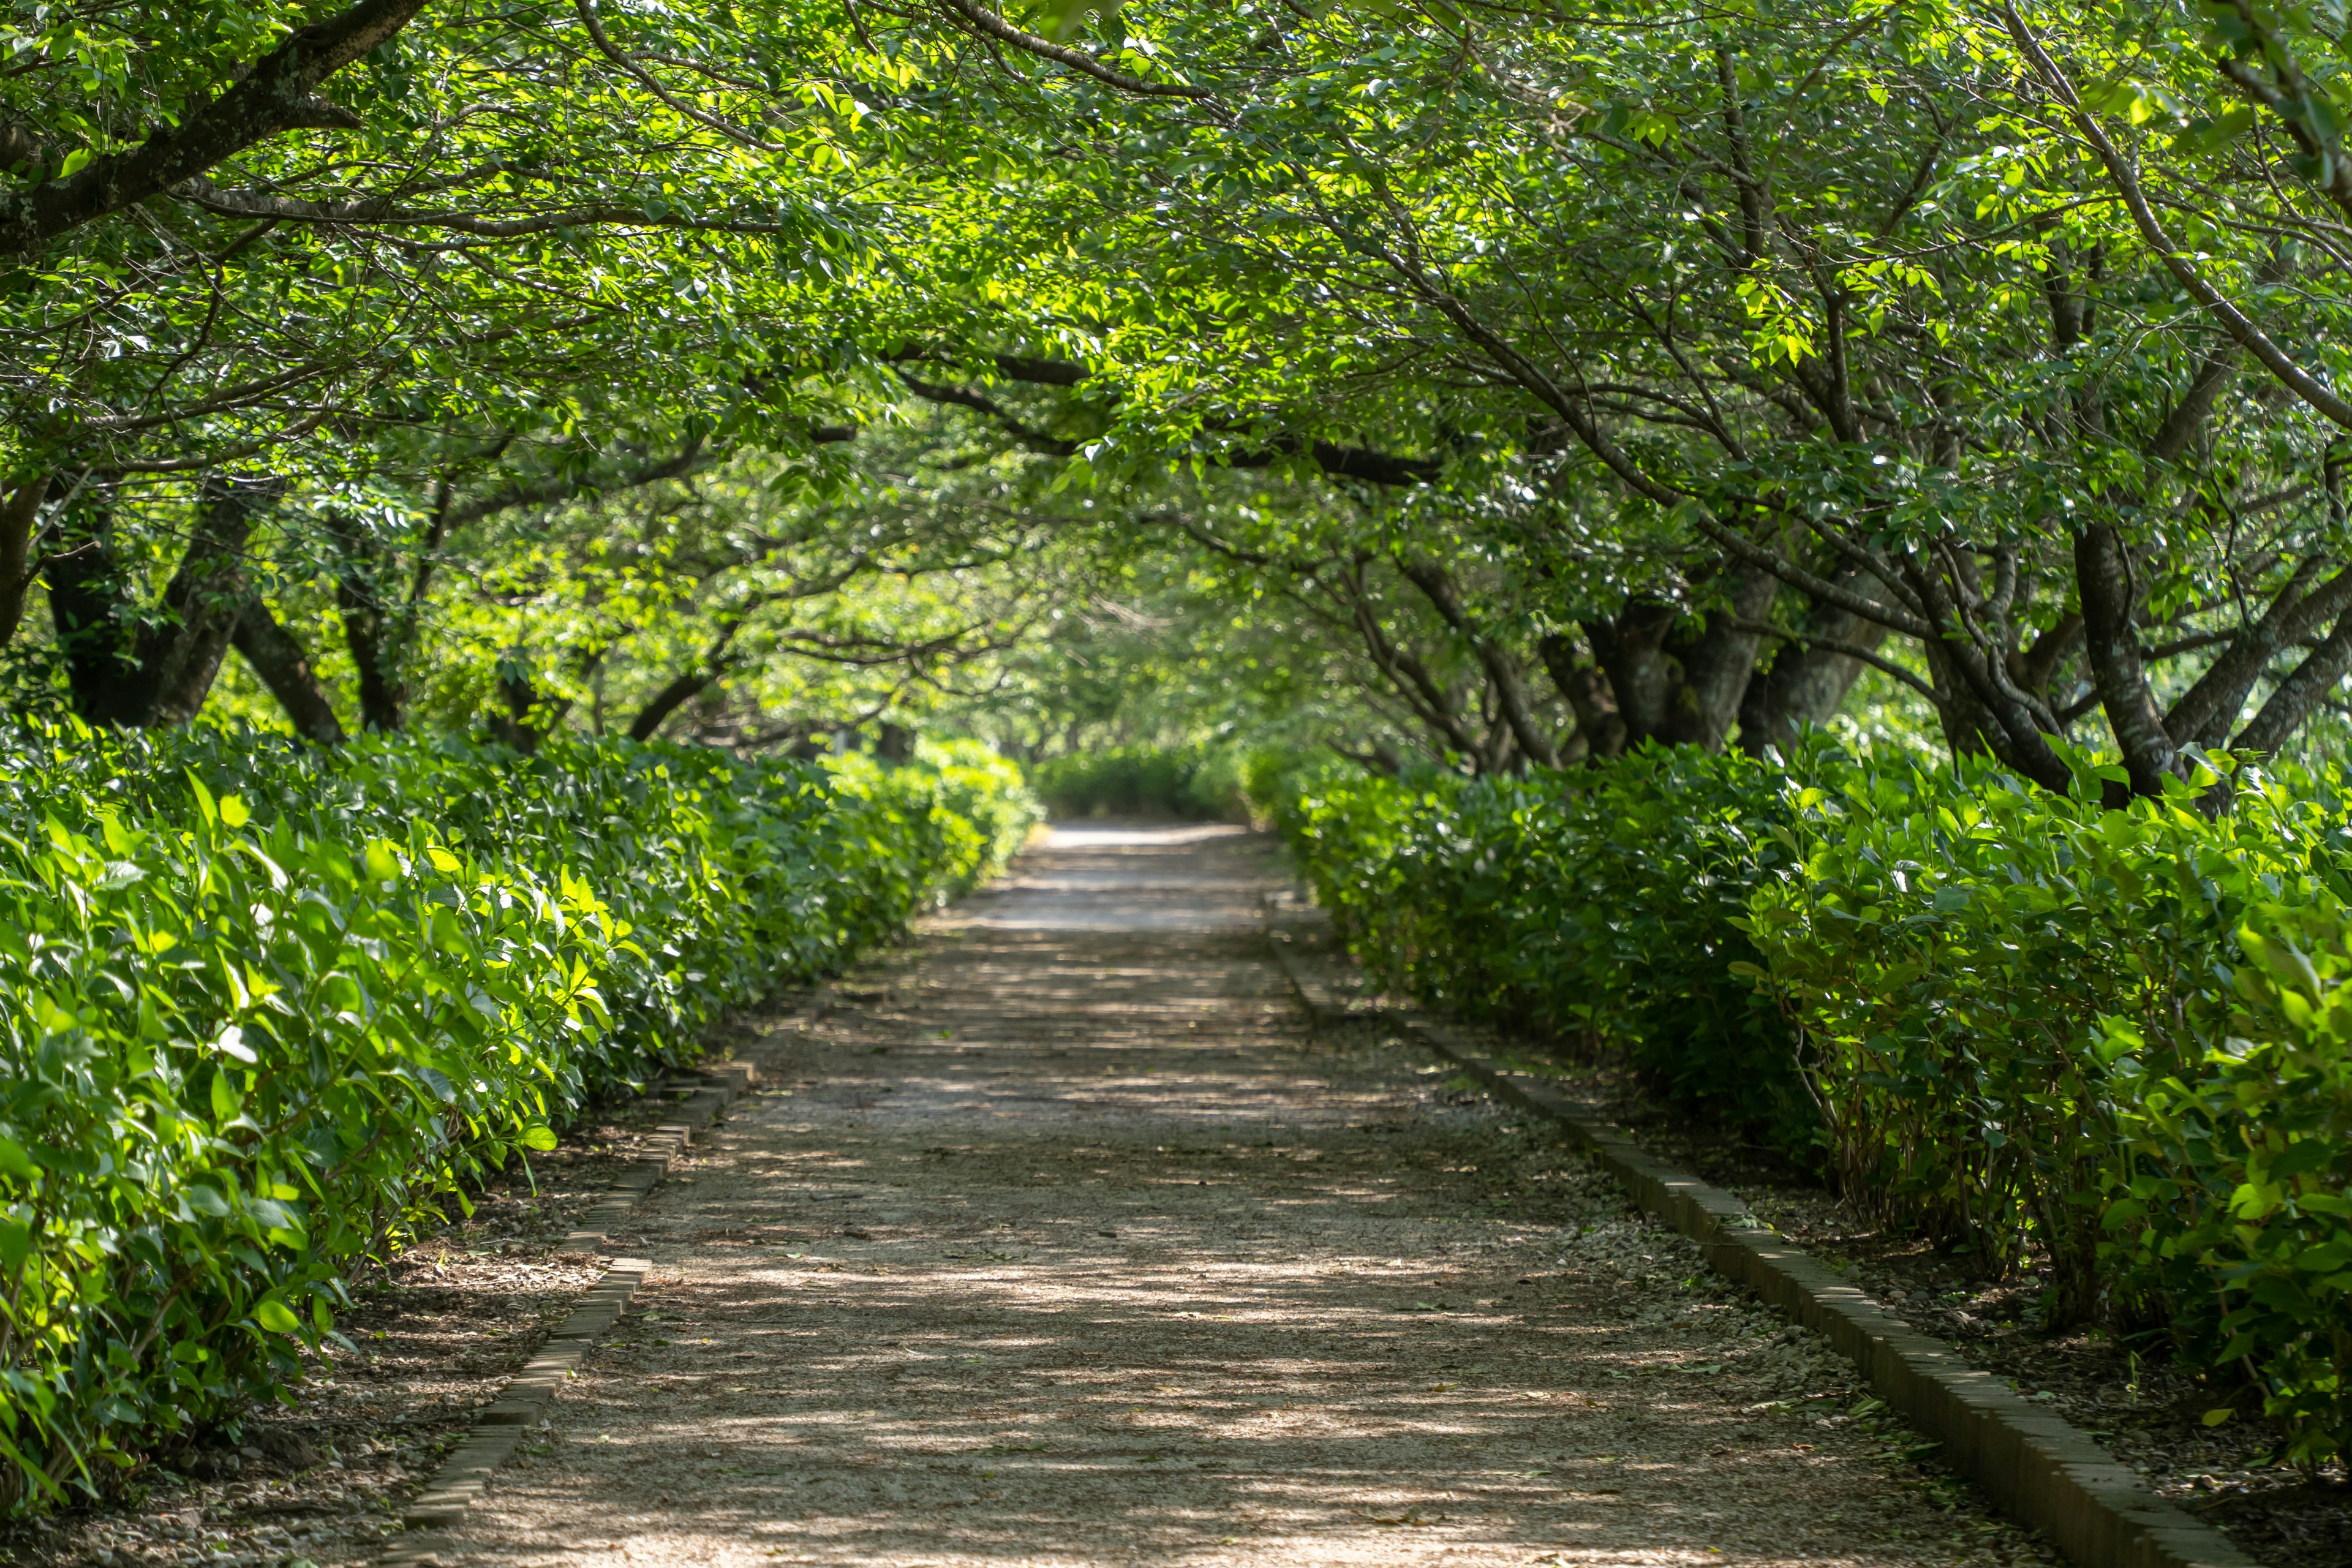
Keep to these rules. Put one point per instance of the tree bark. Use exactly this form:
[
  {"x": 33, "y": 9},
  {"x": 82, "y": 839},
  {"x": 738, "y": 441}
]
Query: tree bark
[
  {"x": 18, "y": 515},
  {"x": 279, "y": 658},
  {"x": 519, "y": 697},
  {"x": 1679, "y": 677},
  {"x": 379, "y": 626},
  {"x": 207, "y": 597},
  {"x": 2304, "y": 688},
  {"x": 1630, "y": 649},
  {"x": 2104, "y": 579},
  {"x": 91, "y": 606},
  {"x": 666, "y": 701},
  {"x": 1804, "y": 684},
  {"x": 1503, "y": 670},
  {"x": 2207, "y": 709},
  {"x": 1599, "y": 727},
  {"x": 158, "y": 673},
  {"x": 276, "y": 94}
]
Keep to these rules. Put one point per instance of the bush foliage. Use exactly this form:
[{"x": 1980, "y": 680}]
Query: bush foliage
[
  {"x": 261, "y": 1007},
  {"x": 1197, "y": 782},
  {"x": 2116, "y": 1045}
]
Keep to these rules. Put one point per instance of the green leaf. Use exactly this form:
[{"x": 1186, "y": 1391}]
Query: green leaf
[{"x": 15, "y": 1162}]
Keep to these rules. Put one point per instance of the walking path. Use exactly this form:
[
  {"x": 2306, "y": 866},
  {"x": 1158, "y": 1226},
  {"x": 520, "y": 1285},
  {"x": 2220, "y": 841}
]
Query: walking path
[{"x": 1068, "y": 1246}]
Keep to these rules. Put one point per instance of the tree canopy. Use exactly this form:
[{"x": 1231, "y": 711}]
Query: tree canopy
[{"x": 1505, "y": 383}]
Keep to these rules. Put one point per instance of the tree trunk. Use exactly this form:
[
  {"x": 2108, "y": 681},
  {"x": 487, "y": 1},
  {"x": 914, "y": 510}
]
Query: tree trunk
[
  {"x": 1804, "y": 684},
  {"x": 279, "y": 658},
  {"x": 1968, "y": 729},
  {"x": 18, "y": 515},
  {"x": 2206, "y": 711},
  {"x": 2303, "y": 689},
  {"x": 123, "y": 672},
  {"x": 1718, "y": 661},
  {"x": 378, "y": 623},
  {"x": 1679, "y": 679},
  {"x": 91, "y": 606},
  {"x": 2103, "y": 578},
  {"x": 1503, "y": 672},
  {"x": 515, "y": 726},
  {"x": 207, "y": 597},
  {"x": 1599, "y": 727}
]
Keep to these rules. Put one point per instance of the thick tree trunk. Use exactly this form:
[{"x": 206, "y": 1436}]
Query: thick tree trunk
[
  {"x": 381, "y": 662},
  {"x": 92, "y": 608},
  {"x": 2103, "y": 578},
  {"x": 1968, "y": 730},
  {"x": 158, "y": 673},
  {"x": 207, "y": 596},
  {"x": 19, "y": 512},
  {"x": 1804, "y": 684},
  {"x": 1599, "y": 727},
  {"x": 1718, "y": 661},
  {"x": 378, "y": 623},
  {"x": 515, "y": 727},
  {"x": 283, "y": 665},
  {"x": 1643, "y": 677},
  {"x": 1679, "y": 679}
]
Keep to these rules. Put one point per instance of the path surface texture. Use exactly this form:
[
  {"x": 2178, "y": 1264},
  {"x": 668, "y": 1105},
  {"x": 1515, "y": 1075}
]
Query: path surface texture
[{"x": 1066, "y": 1243}]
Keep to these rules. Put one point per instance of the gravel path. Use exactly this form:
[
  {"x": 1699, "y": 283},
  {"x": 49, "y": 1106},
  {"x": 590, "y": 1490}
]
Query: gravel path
[{"x": 1067, "y": 1244}]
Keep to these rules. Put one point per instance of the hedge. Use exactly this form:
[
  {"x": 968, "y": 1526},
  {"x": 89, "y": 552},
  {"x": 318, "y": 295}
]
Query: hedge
[
  {"x": 1203, "y": 783},
  {"x": 263, "y": 1007},
  {"x": 2116, "y": 1043}
]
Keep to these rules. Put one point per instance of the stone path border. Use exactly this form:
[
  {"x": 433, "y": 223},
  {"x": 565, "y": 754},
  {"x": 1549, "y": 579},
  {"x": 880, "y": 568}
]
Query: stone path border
[
  {"x": 2040, "y": 1470},
  {"x": 500, "y": 1427}
]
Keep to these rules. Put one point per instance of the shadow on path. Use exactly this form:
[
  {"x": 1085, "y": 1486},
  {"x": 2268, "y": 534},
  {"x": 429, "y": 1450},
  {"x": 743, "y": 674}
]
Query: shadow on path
[{"x": 1066, "y": 1245}]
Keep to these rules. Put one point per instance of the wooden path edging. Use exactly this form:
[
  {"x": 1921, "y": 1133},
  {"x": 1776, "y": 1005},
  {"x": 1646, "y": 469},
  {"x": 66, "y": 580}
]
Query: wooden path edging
[
  {"x": 2040, "y": 1469},
  {"x": 498, "y": 1428}
]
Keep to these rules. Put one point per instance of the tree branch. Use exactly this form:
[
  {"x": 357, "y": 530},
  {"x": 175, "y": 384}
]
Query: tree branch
[{"x": 278, "y": 94}]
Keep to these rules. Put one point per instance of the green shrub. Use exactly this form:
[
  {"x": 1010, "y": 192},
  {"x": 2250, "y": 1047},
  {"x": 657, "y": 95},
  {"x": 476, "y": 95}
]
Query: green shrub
[
  {"x": 2232, "y": 1199},
  {"x": 1602, "y": 908},
  {"x": 2008, "y": 1018},
  {"x": 1196, "y": 783},
  {"x": 261, "y": 1006}
]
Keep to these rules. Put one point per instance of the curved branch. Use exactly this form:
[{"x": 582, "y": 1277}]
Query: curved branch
[
  {"x": 985, "y": 21},
  {"x": 278, "y": 94},
  {"x": 2235, "y": 322}
]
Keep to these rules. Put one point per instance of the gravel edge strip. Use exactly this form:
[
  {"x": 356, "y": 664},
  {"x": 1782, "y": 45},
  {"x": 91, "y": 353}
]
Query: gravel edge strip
[
  {"x": 500, "y": 1427},
  {"x": 2040, "y": 1470}
]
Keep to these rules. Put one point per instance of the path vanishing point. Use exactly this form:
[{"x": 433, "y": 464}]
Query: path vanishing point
[{"x": 1065, "y": 1244}]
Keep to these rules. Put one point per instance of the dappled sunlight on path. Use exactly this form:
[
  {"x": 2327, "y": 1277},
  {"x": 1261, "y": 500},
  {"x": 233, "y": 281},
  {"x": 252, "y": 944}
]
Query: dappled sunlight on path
[{"x": 1067, "y": 1246}]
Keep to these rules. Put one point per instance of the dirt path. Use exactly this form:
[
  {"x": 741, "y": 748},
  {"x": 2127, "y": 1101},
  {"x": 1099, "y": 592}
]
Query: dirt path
[{"x": 1067, "y": 1246}]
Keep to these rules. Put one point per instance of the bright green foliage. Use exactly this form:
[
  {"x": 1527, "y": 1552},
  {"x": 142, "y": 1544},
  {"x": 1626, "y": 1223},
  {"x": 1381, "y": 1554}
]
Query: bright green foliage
[
  {"x": 2236, "y": 1208},
  {"x": 1196, "y": 781},
  {"x": 261, "y": 1006},
  {"x": 2029, "y": 1028},
  {"x": 1605, "y": 904},
  {"x": 2012, "y": 1019}
]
